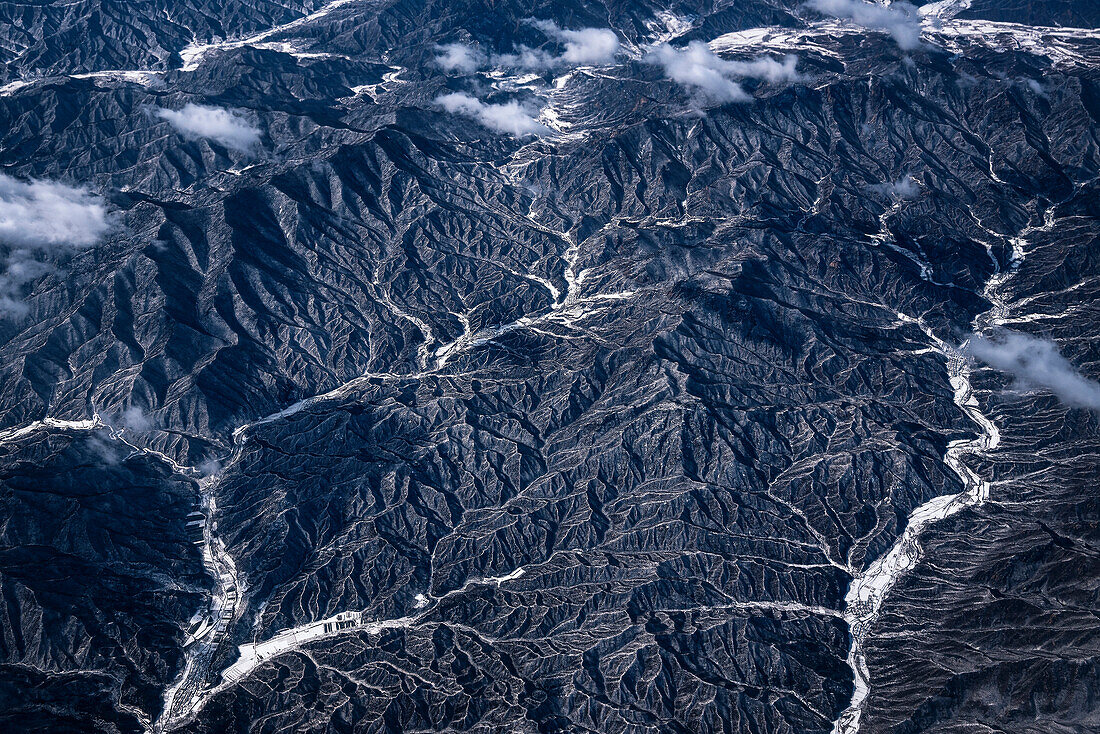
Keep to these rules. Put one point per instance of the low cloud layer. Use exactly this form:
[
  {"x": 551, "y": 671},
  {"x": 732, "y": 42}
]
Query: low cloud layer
[
  {"x": 1037, "y": 364},
  {"x": 231, "y": 129},
  {"x": 713, "y": 77},
  {"x": 901, "y": 20},
  {"x": 40, "y": 217},
  {"x": 510, "y": 117}
]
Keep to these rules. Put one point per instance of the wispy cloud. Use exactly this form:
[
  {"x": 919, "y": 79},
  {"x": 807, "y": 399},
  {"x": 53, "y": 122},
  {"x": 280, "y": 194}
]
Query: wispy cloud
[
  {"x": 459, "y": 57},
  {"x": 526, "y": 59},
  {"x": 107, "y": 452},
  {"x": 39, "y": 217},
  {"x": 134, "y": 420},
  {"x": 209, "y": 467},
  {"x": 1037, "y": 364},
  {"x": 698, "y": 67},
  {"x": 228, "y": 127},
  {"x": 903, "y": 188},
  {"x": 509, "y": 117},
  {"x": 900, "y": 19},
  {"x": 20, "y": 269}
]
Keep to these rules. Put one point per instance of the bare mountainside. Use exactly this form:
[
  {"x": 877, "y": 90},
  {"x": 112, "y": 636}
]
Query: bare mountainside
[{"x": 610, "y": 367}]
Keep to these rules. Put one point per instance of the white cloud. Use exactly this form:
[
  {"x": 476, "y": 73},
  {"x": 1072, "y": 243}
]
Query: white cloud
[
  {"x": 39, "y": 216},
  {"x": 900, "y": 19},
  {"x": 46, "y": 214},
  {"x": 510, "y": 117},
  {"x": 766, "y": 68},
  {"x": 699, "y": 68},
  {"x": 587, "y": 46},
  {"x": 1036, "y": 363},
  {"x": 230, "y": 128},
  {"x": 459, "y": 57},
  {"x": 583, "y": 47}
]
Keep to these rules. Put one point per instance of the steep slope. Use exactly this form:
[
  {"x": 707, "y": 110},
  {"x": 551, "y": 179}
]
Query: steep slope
[{"x": 391, "y": 420}]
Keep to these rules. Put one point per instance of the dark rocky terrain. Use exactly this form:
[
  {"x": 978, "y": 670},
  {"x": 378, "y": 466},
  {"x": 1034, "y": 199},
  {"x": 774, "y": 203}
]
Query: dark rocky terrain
[{"x": 401, "y": 367}]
